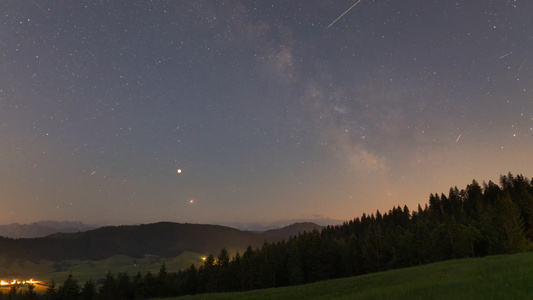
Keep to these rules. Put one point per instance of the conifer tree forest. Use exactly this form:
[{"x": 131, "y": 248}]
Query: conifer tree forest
[{"x": 477, "y": 221}]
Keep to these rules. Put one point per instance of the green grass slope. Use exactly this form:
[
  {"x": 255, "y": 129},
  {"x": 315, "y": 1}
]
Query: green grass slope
[{"x": 494, "y": 277}]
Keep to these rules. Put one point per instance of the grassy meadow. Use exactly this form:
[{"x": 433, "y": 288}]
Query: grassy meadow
[{"x": 494, "y": 277}]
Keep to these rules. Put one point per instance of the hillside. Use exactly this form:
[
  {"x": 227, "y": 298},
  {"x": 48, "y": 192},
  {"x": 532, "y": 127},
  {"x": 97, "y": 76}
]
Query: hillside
[
  {"x": 493, "y": 277},
  {"x": 293, "y": 230},
  {"x": 162, "y": 239}
]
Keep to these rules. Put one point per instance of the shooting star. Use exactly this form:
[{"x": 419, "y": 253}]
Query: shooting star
[
  {"x": 40, "y": 7},
  {"x": 343, "y": 13},
  {"x": 457, "y": 140},
  {"x": 522, "y": 65},
  {"x": 504, "y": 55}
]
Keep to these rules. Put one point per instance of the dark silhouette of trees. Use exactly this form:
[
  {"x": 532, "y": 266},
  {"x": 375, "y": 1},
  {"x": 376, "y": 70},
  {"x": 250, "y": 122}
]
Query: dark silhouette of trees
[
  {"x": 51, "y": 291},
  {"x": 30, "y": 294},
  {"x": 70, "y": 289},
  {"x": 88, "y": 291}
]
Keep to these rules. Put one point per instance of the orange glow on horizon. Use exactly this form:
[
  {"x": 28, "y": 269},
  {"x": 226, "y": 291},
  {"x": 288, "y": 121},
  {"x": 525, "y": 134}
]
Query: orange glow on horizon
[{"x": 16, "y": 281}]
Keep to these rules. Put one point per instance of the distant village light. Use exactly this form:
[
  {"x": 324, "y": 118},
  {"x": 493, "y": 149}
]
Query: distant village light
[{"x": 16, "y": 281}]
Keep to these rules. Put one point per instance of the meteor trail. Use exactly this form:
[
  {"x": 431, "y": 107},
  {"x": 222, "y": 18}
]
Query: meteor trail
[
  {"x": 457, "y": 140},
  {"x": 343, "y": 14},
  {"x": 40, "y": 7},
  {"x": 504, "y": 55},
  {"x": 522, "y": 65}
]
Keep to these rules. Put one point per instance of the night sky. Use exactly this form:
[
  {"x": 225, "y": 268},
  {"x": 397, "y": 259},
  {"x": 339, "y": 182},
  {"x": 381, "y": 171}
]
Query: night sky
[{"x": 269, "y": 112}]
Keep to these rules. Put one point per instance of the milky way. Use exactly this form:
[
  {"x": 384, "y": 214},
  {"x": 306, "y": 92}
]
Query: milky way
[{"x": 272, "y": 110}]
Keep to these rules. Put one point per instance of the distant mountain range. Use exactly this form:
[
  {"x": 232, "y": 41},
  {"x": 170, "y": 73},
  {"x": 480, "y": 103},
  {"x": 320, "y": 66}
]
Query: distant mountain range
[
  {"x": 292, "y": 230},
  {"x": 42, "y": 228},
  {"x": 282, "y": 223},
  {"x": 163, "y": 239}
]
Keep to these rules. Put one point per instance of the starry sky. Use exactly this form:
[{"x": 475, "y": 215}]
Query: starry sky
[{"x": 272, "y": 110}]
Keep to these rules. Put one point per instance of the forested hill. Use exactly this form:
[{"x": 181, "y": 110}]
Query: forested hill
[
  {"x": 479, "y": 220},
  {"x": 292, "y": 230},
  {"x": 162, "y": 239}
]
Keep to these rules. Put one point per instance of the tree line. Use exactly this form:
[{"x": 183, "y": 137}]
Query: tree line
[
  {"x": 112, "y": 287},
  {"x": 479, "y": 220}
]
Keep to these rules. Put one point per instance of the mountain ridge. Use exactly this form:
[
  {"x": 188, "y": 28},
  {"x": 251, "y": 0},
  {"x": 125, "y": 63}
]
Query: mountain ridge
[
  {"x": 42, "y": 228},
  {"x": 293, "y": 229},
  {"x": 165, "y": 239}
]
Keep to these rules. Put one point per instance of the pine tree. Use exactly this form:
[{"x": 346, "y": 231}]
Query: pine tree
[
  {"x": 164, "y": 284},
  {"x": 51, "y": 291},
  {"x": 190, "y": 285},
  {"x": 123, "y": 287},
  {"x": 435, "y": 208},
  {"x": 70, "y": 289},
  {"x": 372, "y": 246},
  {"x": 138, "y": 285},
  {"x": 250, "y": 269},
  {"x": 508, "y": 222},
  {"x": 523, "y": 198},
  {"x": 88, "y": 291},
  {"x": 222, "y": 271},
  {"x": 351, "y": 256},
  {"x": 404, "y": 252},
  {"x": 108, "y": 287},
  {"x": 421, "y": 241},
  {"x": 30, "y": 294},
  {"x": 208, "y": 275},
  {"x": 295, "y": 274},
  {"x": 149, "y": 286},
  {"x": 236, "y": 273},
  {"x": 14, "y": 293}
]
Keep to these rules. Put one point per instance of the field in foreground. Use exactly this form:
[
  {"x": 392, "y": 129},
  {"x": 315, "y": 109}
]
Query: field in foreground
[{"x": 494, "y": 277}]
